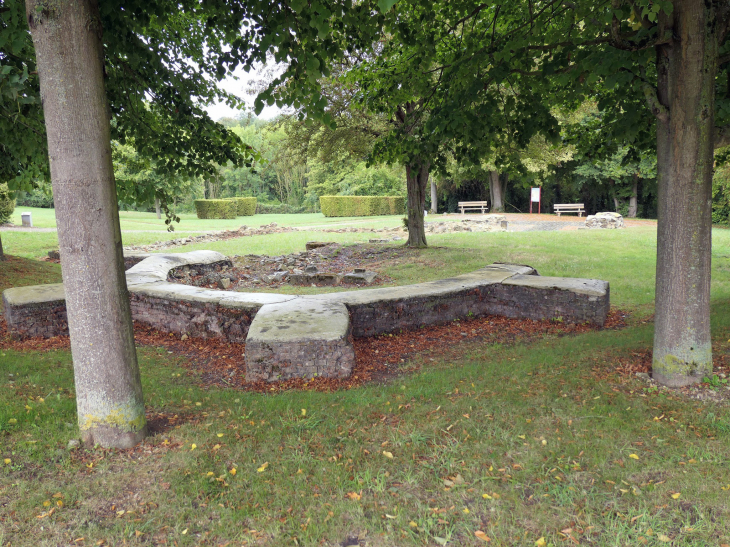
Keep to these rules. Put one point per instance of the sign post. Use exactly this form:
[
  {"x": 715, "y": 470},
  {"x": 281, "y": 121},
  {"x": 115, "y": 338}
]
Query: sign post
[{"x": 535, "y": 197}]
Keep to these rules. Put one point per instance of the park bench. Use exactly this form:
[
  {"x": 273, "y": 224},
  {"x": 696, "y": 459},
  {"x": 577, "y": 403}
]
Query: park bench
[
  {"x": 569, "y": 208},
  {"x": 476, "y": 205}
]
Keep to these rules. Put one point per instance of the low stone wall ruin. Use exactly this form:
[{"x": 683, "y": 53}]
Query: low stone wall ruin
[{"x": 290, "y": 336}]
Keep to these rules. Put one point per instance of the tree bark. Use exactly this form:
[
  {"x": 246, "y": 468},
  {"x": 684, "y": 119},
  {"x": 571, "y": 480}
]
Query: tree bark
[
  {"x": 157, "y": 208},
  {"x": 68, "y": 45},
  {"x": 416, "y": 180},
  {"x": 2, "y": 254},
  {"x": 434, "y": 196},
  {"x": 496, "y": 192},
  {"x": 686, "y": 87},
  {"x": 633, "y": 200}
]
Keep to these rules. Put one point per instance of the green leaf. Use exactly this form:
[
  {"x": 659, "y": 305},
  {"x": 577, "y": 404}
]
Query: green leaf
[{"x": 385, "y": 5}]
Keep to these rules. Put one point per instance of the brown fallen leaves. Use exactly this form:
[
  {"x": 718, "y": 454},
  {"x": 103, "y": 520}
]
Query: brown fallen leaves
[{"x": 217, "y": 362}]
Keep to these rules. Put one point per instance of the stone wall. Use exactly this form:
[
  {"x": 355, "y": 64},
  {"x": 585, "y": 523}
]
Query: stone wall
[
  {"x": 196, "y": 319},
  {"x": 37, "y": 311}
]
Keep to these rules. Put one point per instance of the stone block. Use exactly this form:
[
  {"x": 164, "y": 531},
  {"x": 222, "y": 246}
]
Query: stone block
[
  {"x": 299, "y": 339},
  {"x": 605, "y": 221}
]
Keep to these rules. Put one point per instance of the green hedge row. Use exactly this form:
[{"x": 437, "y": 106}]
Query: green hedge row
[
  {"x": 362, "y": 206},
  {"x": 279, "y": 209},
  {"x": 216, "y": 208},
  {"x": 245, "y": 207}
]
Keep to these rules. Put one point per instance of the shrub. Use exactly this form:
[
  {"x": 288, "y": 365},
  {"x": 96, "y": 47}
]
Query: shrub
[
  {"x": 7, "y": 203},
  {"x": 35, "y": 198},
  {"x": 215, "y": 208},
  {"x": 279, "y": 209},
  {"x": 245, "y": 207},
  {"x": 362, "y": 206}
]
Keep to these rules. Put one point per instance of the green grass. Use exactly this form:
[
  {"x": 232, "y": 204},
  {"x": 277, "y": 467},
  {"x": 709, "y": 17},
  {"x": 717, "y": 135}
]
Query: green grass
[
  {"x": 146, "y": 228},
  {"x": 560, "y": 446}
]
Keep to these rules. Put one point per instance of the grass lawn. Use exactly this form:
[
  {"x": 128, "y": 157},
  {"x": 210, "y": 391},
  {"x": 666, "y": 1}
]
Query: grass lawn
[{"x": 538, "y": 443}]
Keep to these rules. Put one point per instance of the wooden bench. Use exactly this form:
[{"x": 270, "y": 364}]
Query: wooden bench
[
  {"x": 569, "y": 208},
  {"x": 476, "y": 205}
]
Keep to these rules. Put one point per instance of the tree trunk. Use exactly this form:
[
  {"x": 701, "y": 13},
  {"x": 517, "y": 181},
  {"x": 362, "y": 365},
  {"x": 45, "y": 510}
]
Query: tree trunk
[
  {"x": 686, "y": 87},
  {"x": 633, "y": 200},
  {"x": 2, "y": 255},
  {"x": 496, "y": 192},
  {"x": 434, "y": 196},
  {"x": 416, "y": 180},
  {"x": 67, "y": 39},
  {"x": 157, "y": 208}
]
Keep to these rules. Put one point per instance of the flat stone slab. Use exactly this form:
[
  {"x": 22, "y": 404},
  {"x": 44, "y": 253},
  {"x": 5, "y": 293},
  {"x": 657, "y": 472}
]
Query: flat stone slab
[
  {"x": 299, "y": 339},
  {"x": 590, "y": 287}
]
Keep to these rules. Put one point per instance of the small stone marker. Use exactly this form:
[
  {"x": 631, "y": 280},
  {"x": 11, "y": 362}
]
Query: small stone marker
[
  {"x": 224, "y": 283},
  {"x": 320, "y": 278},
  {"x": 360, "y": 277},
  {"x": 606, "y": 221},
  {"x": 27, "y": 220}
]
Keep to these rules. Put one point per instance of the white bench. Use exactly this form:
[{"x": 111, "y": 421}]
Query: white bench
[
  {"x": 569, "y": 208},
  {"x": 476, "y": 205}
]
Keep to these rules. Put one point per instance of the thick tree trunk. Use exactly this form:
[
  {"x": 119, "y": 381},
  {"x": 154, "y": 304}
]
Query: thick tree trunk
[
  {"x": 2, "y": 255},
  {"x": 687, "y": 68},
  {"x": 633, "y": 200},
  {"x": 67, "y": 39},
  {"x": 157, "y": 208},
  {"x": 434, "y": 196},
  {"x": 416, "y": 180},
  {"x": 496, "y": 192}
]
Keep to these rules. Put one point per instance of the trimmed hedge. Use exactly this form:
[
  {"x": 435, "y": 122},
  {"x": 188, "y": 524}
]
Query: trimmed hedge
[
  {"x": 215, "y": 208},
  {"x": 279, "y": 209},
  {"x": 245, "y": 207},
  {"x": 7, "y": 203},
  {"x": 362, "y": 206}
]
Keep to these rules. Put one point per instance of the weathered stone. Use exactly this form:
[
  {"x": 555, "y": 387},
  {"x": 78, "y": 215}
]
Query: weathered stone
[
  {"x": 320, "y": 278},
  {"x": 310, "y": 269},
  {"x": 485, "y": 223},
  {"x": 299, "y": 339},
  {"x": 360, "y": 276},
  {"x": 54, "y": 255},
  {"x": 317, "y": 244},
  {"x": 605, "y": 221},
  {"x": 224, "y": 283}
]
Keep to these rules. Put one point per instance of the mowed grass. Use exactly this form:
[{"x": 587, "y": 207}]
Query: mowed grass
[{"x": 533, "y": 442}]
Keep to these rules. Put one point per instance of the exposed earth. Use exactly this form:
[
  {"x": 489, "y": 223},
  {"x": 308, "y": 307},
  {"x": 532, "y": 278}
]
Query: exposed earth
[{"x": 271, "y": 272}]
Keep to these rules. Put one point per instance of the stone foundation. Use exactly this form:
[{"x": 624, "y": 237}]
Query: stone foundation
[{"x": 305, "y": 336}]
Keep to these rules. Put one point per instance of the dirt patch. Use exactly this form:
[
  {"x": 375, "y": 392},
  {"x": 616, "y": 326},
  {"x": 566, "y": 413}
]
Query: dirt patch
[{"x": 272, "y": 272}]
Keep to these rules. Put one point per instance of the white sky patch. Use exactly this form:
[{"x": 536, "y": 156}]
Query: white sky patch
[{"x": 245, "y": 88}]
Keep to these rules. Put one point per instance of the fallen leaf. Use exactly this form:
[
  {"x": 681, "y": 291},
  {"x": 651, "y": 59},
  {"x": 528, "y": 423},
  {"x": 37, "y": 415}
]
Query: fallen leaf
[
  {"x": 633, "y": 456},
  {"x": 389, "y": 516},
  {"x": 263, "y": 467},
  {"x": 354, "y": 496},
  {"x": 486, "y": 496},
  {"x": 481, "y": 535},
  {"x": 7, "y": 461},
  {"x": 12, "y": 421},
  {"x": 541, "y": 542},
  {"x": 304, "y": 412},
  {"x": 663, "y": 538},
  {"x": 676, "y": 495},
  {"x": 220, "y": 435},
  {"x": 413, "y": 524},
  {"x": 387, "y": 454},
  {"x": 193, "y": 446},
  {"x": 232, "y": 471}
]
